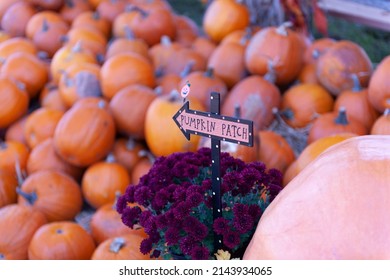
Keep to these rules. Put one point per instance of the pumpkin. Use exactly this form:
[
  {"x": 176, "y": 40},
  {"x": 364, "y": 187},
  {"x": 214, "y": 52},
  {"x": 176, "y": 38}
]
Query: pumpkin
[
  {"x": 231, "y": 70},
  {"x": 182, "y": 59},
  {"x": 142, "y": 167},
  {"x": 15, "y": 101},
  {"x": 334, "y": 219},
  {"x": 92, "y": 20},
  {"x": 44, "y": 157},
  {"x": 8, "y": 183},
  {"x": 241, "y": 36},
  {"x": 204, "y": 46},
  {"x": 317, "y": 48},
  {"x": 357, "y": 104},
  {"x": 302, "y": 103},
  {"x": 55, "y": 194},
  {"x": 13, "y": 154},
  {"x": 106, "y": 223},
  {"x": 50, "y": 98},
  {"x": 159, "y": 124},
  {"x": 123, "y": 70},
  {"x": 274, "y": 150},
  {"x": 203, "y": 83},
  {"x": 110, "y": 9},
  {"x": 170, "y": 82},
  {"x": 72, "y": 8},
  {"x": 18, "y": 224},
  {"x": 129, "y": 106},
  {"x": 382, "y": 123},
  {"x": 16, "y": 44},
  {"x": 86, "y": 132},
  {"x": 125, "y": 247},
  {"x": 64, "y": 240},
  {"x": 223, "y": 17},
  {"x": 48, "y": 4},
  {"x": 21, "y": 10},
  {"x": 40, "y": 125},
  {"x": 342, "y": 60},
  {"x": 4, "y": 5},
  {"x": 126, "y": 152},
  {"x": 160, "y": 53},
  {"x": 102, "y": 180},
  {"x": 186, "y": 30},
  {"x": 335, "y": 122},
  {"x": 15, "y": 132},
  {"x": 78, "y": 81},
  {"x": 275, "y": 49},
  {"x": 147, "y": 23},
  {"x": 256, "y": 98},
  {"x": 308, "y": 74},
  {"x": 312, "y": 151},
  {"x": 378, "y": 92}
]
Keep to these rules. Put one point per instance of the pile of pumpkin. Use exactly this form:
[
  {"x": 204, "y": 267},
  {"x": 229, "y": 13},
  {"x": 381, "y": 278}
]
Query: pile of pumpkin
[{"x": 88, "y": 89}]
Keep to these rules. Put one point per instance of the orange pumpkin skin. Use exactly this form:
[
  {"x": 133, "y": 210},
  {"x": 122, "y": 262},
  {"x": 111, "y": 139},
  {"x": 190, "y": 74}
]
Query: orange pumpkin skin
[
  {"x": 277, "y": 46},
  {"x": 223, "y": 17},
  {"x": 63, "y": 240},
  {"x": 126, "y": 152},
  {"x": 159, "y": 123},
  {"x": 308, "y": 74},
  {"x": 13, "y": 153},
  {"x": 302, "y": 103},
  {"x": 354, "y": 171},
  {"x": 317, "y": 48},
  {"x": 342, "y": 60},
  {"x": 17, "y": 44},
  {"x": 378, "y": 89},
  {"x": 124, "y": 247},
  {"x": 102, "y": 181},
  {"x": 382, "y": 124},
  {"x": 92, "y": 19},
  {"x": 85, "y": 134},
  {"x": 50, "y": 98},
  {"x": 44, "y": 157},
  {"x": 204, "y": 46},
  {"x": 15, "y": 132},
  {"x": 141, "y": 168},
  {"x": 72, "y": 8},
  {"x": 8, "y": 183},
  {"x": 21, "y": 10},
  {"x": 55, "y": 194},
  {"x": 15, "y": 102},
  {"x": 256, "y": 97},
  {"x": 18, "y": 224}
]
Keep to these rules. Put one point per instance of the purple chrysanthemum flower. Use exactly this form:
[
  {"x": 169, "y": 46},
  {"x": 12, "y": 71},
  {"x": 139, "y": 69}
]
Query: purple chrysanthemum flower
[
  {"x": 200, "y": 253},
  {"x": 243, "y": 223},
  {"x": 195, "y": 228},
  {"x": 194, "y": 199},
  {"x": 130, "y": 216},
  {"x": 258, "y": 165},
  {"x": 160, "y": 199},
  {"x": 186, "y": 244},
  {"x": 161, "y": 221},
  {"x": 206, "y": 185},
  {"x": 181, "y": 210},
  {"x": 146, "y": 246},
  {"x": 155, "y": 254},
  {"x": 172, "y": 235},
  {"x": 190, "y": 171},
  {"x": 231, "y": 239},
  {"x": 255, "y": 211},
  {"x": 179, "y": 193},
  {"x": 221, "y": 225},
  {"x": 240, "y": 209},
  {"x": 229, "y": 181},
  {"x": 276, "y": 176},
  {"x": 142, "y": 195},
  {"x": 121, "y": 204}
]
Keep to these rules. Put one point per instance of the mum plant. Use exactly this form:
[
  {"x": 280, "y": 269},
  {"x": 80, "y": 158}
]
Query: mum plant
[{"x": 173, "y": 202}]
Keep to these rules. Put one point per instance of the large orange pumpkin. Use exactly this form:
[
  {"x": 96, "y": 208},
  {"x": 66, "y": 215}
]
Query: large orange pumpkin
[
  {"x": 337, "y": 208},
  {"x": 8, "y": 184},
  {"x": 18, "y": 224},
  {"x": 378, "y": 88}
]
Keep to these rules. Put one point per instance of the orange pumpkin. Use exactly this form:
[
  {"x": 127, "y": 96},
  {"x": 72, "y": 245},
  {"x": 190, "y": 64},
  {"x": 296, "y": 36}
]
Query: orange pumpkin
[
  {"x": 44, "y": 157},
  {"x": 15, "y": 101},
  {"x": 382, "y": 123},
  {"x": 48, "y": 4},
  {"x": 182, "y": 59},
  {"x": 15, "y": 132},
  {"x": 72, "y": 8},
  {"x": 63, "y": 240},
  {"x": 223, "y": 17},
  {"x": 13, "y": 154},
  {"x": 126, "y": 152},
  {"x": 18, "y": 224},
  {"x": 378, "y": 91},
  {"x": 8, "y": 183},
  {"x": 186, "y": 30},
  {"x": 317, "y": 48},
  {"x": 334, "y": 219},
  {"x": 40, "y": 125},
  {"x": 204, "y": 46},
  {"x": 85, "y": 134},
  {"x": 103, "y": 180},
  {"x": 55, "y": 194},
  {"x": 93, "y": 20},
  {"x": 21, "y": 10},
  {"x": 142, "y": 166},
  {"x": 125, "y": 247},
  {"x": 110, "y": 9},
  {"x": 16, "y": 44},
  {"x": 50, "y": 98}
]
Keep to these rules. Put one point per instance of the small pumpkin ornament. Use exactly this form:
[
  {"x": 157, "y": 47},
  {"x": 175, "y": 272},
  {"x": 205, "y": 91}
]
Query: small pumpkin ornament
[
  {"x": 106, "y": 223},
  {"x": 55, "y": 194},
  {"x": 279, "y": 49},
  {"x": 86, "y": 132},
  {"x": 223, "y": 17},
  {"x": 334, "y": 219},
  {"x": 40, "y": 125},
  {"x": 256, "y": 98},
  {"x": 123, "y": 70},
  {"x": 103, "y": 180},
  {"x": 44, "y": 157},
  {"x": 64, "y": 240},
  {"x": 302, "y": 103},
  {"x": 378, "y": 89},
  {"x": 356, "y": 102},
  {"x": 8, "y": 184},
  {"x": 382, "y": 124},
  {"x": 21, "y": 10},
  {"x": 124, "y": 247},
  {"x": 339, "y": 62},
  {"x": 18, "y": 224},
  {"x": 159, "y": 125},
  {"x": 335, "y": 122},
  {"x": 15, "y": 101},
  {"x": 128, "y": 108},
  {"x": 126, "y": 151},
  {"x": 274, "y": 150}
]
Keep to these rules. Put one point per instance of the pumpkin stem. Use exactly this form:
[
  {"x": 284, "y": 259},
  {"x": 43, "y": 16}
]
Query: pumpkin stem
[
  {"x": 69, "y": 3},
  {"x": 102, "y": 104},
  {"x": 78, "y": 47},
  {"x": 110, "y": 158},
  {"x": 247, "y": 36},
  {"x": 174, "y": 95},
  {"x": 117, "y": 244},
  {"x": 209, "y": 73},
  {"x": 96, "y": 15},
  {"x": 237, "y": 111},
  {"x": 282, "y": 29},
  {"x": 130, "y": 143},
  {"x": 3, "y": 145},
  {"x": 270, "y": 76},
  {"x": 342, "y": 117},
  {"x": 287, "y": 113},
  {"x": 129, "y": 33},
  {"x": 45, "y": 25},
  {"x": 117, "y": 195},
  {"x": 145, "y": 153},
  {"x": 30, "y": 197},
  {"x": 387, "y": 110},
  {"x": 187, "y": 69},
  {"x": 133, "y": 8},
  {"x": 2, "y": 257},
  {"x": 165, "y": 40},
  {"x": 356, "y": 82}
]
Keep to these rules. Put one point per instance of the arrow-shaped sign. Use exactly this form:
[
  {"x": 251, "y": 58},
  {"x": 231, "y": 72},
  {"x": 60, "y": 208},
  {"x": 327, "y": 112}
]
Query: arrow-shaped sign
[{"x": 213, "y": 125}]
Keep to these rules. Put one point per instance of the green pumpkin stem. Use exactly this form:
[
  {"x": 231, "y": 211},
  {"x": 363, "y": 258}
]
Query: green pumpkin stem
[
  {"x": 30, "y": 197},
  {"x": 117, "y": 244},
  {"x": 342, "y": 117}
]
